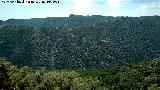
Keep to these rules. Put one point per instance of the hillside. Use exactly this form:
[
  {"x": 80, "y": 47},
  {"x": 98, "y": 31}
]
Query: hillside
[{"x": 104, "y": 43}]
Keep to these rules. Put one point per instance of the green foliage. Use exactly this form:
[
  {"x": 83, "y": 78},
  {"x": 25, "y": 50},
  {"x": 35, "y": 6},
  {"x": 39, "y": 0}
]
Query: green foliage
[
  {"x": 140, "y": 76},
  {"x": 6, "y": 71},
  {"x": 27, "y": 79},
  {"x": 154, "y": 87},
  {"x": 80, "y": 42},
  {"x": 135, "y": 77}
]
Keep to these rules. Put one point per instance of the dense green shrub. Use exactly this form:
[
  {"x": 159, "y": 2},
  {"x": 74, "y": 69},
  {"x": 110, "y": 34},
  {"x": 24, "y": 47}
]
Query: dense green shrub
[
  {"x": 100, "y": 42},
  {"x": 27, "y": 79},
  {"x": 141, "y": 76}
]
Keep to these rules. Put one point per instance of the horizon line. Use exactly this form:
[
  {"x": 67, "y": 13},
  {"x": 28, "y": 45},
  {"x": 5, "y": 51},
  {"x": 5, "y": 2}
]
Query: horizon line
[{"x": 75, "y": 15}]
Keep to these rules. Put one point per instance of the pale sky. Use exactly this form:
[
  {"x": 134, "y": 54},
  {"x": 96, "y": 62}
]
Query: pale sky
[{"x": 80, "y": 7}]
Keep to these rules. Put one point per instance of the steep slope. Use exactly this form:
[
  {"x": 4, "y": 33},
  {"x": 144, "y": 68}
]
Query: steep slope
[{"x": 118, "y": 41}]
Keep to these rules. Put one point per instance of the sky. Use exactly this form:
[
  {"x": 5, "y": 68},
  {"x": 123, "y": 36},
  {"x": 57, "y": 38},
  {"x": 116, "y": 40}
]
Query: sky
[{"x": 79, "y": 7}]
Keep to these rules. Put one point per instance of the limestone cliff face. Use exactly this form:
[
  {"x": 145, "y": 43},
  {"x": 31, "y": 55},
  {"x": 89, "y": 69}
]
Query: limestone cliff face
[{"x": 72, "y": 20}]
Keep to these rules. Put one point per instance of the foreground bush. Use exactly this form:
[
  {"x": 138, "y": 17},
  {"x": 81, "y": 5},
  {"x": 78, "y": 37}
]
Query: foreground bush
[
  {"x": 27, "y": 79},
  {"x": 141, "y": 76}
]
